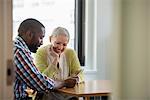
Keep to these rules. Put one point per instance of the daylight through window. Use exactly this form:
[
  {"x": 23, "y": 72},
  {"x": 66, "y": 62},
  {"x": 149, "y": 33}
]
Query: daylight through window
[{"x": 52, "y": 13}]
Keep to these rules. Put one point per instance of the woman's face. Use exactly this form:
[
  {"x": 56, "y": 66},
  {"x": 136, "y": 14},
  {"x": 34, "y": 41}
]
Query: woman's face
[{"x": 59, "y": 43}]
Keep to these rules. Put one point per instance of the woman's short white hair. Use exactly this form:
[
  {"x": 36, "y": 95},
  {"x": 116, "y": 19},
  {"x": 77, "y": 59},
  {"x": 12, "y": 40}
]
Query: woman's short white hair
[{"x": 60, "y": 30}]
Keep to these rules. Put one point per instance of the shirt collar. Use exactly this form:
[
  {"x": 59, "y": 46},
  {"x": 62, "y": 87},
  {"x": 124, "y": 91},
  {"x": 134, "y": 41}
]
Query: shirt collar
[{"x": 19, "y": 42}]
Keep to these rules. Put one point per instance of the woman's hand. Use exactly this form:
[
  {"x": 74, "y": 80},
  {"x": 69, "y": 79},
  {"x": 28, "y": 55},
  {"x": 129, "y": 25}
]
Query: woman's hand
[
  {"x": 70, "y": 82},
  {"x": 53, "y": 53}
]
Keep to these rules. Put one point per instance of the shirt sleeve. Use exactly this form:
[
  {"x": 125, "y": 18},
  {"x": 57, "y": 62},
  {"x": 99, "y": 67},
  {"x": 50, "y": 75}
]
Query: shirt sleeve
[
  {"x": 27, "y": 71},
  {"x": 74, "y": 64},
  {"x": 40, "y": 59}
]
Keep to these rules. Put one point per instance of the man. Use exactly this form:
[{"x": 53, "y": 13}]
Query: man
[{"x": 30, "y": 37}]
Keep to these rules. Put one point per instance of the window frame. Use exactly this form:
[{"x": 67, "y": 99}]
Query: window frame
[{"x": 80, "y": 30}]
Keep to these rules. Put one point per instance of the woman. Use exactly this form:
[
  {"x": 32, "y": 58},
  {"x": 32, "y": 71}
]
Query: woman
[{"x": 58, "y": 62}]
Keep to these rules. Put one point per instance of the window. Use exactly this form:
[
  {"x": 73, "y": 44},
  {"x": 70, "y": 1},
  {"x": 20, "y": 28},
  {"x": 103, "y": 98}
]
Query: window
[
  {"x": 52, "y": 13},
  {"x": 80, "y": 30}
]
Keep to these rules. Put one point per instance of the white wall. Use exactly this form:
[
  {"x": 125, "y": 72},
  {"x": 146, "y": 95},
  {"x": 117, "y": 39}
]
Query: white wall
[
  {"x": 122, "y": 46},
  {"x": 98, "y": 34}
]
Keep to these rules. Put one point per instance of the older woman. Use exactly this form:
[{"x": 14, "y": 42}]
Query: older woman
[{"x": 58, "y": 62}]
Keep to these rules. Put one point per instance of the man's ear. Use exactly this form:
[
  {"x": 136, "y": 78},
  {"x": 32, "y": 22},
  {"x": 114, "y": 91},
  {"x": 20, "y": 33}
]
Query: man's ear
[{"x": 29, "y": 35}]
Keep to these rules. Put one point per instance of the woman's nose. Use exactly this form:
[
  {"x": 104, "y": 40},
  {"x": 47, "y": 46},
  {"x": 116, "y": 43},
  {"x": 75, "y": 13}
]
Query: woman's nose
[{"x": 61, "y": 46}]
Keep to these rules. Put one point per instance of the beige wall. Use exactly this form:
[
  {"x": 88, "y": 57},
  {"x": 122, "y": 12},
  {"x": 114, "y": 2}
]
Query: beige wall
[
  {"x": 6, "y": 47},
  {"x": 115, "y": 50},
  {"x": 132, "y": 73},
  {"x": 135, "y": 42}
]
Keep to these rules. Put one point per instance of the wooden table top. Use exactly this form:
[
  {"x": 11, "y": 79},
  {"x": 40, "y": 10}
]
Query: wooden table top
[{"x": 89, "y": 88}]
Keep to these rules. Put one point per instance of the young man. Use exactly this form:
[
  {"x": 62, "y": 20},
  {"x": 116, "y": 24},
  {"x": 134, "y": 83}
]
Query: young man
[{"x": 30, "y": 37}]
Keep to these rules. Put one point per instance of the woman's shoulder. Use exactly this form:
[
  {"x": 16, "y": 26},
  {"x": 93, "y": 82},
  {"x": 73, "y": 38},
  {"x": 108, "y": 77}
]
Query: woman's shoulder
[
  {"x": 70, "y": 51},
  {"x": 43, "y": 48}
]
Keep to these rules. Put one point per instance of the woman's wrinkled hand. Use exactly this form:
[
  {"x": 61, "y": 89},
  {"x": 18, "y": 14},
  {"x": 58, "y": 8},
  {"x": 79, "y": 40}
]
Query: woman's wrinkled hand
[{"x": 70, "y": 82}]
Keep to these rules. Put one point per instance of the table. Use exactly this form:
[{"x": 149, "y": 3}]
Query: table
[{"x": 89, "y": 88}]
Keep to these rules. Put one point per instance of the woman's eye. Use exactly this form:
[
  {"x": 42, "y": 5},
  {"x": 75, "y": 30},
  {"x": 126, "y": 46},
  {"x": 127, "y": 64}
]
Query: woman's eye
[
  {"x": 64, "y": 44},
  {"x": 57, "y": 43}
]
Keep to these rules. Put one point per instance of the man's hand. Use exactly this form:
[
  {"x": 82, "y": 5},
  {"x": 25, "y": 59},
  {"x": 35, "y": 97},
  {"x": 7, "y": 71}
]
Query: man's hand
[{"x": 59, "y": 84}]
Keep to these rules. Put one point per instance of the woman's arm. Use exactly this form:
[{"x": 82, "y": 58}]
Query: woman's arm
[
  {"x": 74, "y": 64},
  {"x": 41, "y": 61}
]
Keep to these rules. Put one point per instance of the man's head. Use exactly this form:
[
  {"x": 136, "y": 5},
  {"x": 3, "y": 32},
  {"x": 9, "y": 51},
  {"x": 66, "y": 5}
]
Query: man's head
[{"x": 32, "y": 32}]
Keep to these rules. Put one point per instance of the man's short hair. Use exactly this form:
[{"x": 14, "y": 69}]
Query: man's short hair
[{"x": 30, "y": 24}]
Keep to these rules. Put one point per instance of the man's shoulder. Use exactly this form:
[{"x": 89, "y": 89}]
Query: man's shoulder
[
  {"x": 20, "y": 48},
  {"x": 19, "y": 44}
]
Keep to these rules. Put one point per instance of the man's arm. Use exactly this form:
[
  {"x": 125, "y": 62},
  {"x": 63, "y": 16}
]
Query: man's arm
[{"x": 27, "y": 71}]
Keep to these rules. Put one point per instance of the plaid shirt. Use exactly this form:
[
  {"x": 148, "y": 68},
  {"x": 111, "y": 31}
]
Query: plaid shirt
[{"x": 26, "y": 72}]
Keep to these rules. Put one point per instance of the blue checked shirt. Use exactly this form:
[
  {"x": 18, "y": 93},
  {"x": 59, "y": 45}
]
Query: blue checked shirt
[{"x": 26, "y": 72}]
